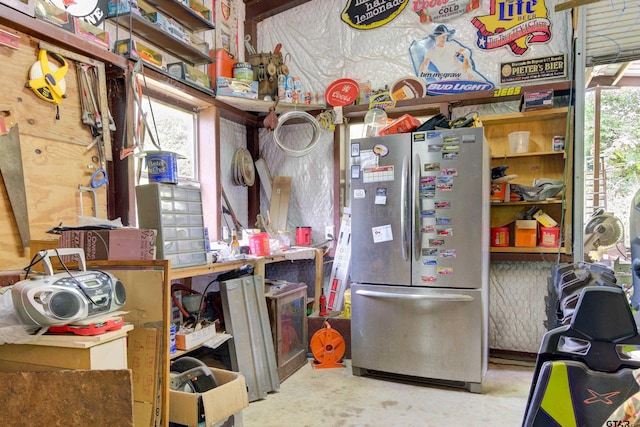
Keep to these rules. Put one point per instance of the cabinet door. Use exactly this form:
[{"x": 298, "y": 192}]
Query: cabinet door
[{"x": 539, "y": 162}]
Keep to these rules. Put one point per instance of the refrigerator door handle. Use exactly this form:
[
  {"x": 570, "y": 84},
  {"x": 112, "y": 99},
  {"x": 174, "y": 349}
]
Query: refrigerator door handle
[
  {"x": 404, "y": 209},
  {"x": 417, "y": 237},
  {"x": 439, "y": 297}
]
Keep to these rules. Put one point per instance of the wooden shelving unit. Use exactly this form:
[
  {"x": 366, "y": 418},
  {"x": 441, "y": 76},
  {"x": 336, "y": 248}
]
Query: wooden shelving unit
[
  {"x": 539, "y": 162},
  {"x": 183, "y": 14},
  {"x": 140, "y": 27}
]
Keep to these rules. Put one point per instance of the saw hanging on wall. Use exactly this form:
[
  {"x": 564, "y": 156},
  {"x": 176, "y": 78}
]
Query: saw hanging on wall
[{"x": 47, "y": 79}]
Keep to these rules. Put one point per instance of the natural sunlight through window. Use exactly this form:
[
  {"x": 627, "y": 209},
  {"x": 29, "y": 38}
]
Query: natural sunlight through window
[{"x": 174, "y": 130}]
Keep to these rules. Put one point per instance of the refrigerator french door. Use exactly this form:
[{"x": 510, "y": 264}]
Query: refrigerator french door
[{"x": 420, "y": 255}]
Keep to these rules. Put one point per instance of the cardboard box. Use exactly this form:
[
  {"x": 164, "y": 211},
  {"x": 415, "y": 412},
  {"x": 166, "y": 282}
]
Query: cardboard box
[
  {"x": 49, "y": 13},
  {"x": 187, "y": 341},
  {"x": 537, "y": 100},
  {"x": 526, "y": 232},
  {"x": 200, "y": 10},
  {"x": 188, "y": 73},
  {"x": 199, "y": 43},
  {"x": 121, "y": 7},
  {"x": 403, "y": 124},
  {"x": 234, "y": 87},
  {"x": 549, "y": 237},
  {"x": 25, "y": 6},
  {"x": 500, "y": 192},
  {"x": 118, "y": 244},
  {"x": 135, "y": 49},
  {"x": 229, "y": 398},
  {"x": 155, "y": 18},
  {"x": 544, "y": 219},
  {"x": 90, "y": 32}
]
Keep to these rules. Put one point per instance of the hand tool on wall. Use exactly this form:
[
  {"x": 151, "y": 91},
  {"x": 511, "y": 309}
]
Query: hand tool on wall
[
  {"x": 13, "y": 174},
  {"x": 89, "y": 82},
  {"x": 229, "y": 210},
  {"x": 94, "y": 197},
  {"x": 92, "y": 117},
  {"x": 47, "y": 80},
  {"x": 100, "y": 90}
]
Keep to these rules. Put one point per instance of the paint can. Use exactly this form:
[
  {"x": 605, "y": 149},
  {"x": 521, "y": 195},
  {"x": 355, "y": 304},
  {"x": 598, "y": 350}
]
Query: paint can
[
  {"x": 558, "y": 143},
  {"x": 259, "y": 244},
  {"x": 243, "y": 71},
  {"x": 500, "y": 236},
  {"x": 303, "y": 236},
  {"x": 162, "y": 166}
]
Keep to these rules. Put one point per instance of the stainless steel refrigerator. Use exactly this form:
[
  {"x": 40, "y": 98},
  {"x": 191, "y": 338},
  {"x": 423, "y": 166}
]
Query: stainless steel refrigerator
[{"x": 420, "y": 255}]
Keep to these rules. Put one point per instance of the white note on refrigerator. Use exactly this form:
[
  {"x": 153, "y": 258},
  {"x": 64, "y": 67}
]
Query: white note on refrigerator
[{"x": 382, "y": 233}]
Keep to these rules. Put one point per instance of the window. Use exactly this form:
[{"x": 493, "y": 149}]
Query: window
[
  {"x": 614, "y": 184},
  {"x": 175, "y": 130}
]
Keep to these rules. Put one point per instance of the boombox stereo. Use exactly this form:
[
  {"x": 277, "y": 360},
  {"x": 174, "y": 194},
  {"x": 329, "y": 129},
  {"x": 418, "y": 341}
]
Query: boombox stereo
[{"x": 68, "y": 297}]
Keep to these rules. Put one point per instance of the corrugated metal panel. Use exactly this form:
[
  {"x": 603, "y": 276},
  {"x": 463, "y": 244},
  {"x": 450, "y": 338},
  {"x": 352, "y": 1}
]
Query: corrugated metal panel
[
  {"x": 612, "y": 31},
  {"x": 246, "y": 318}
]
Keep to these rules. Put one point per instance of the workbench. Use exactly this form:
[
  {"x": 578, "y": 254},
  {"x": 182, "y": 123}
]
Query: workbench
[
  {"x": 259, "y": 263},
  {"x": 148, "y": 287},
  {"x": 68, "y": 351}
]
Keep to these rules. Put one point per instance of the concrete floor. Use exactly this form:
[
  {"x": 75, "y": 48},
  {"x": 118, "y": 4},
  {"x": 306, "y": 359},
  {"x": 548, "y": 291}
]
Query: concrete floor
[{"x": 336, "y": 398}]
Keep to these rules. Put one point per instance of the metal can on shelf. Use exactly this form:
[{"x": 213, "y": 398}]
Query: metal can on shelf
[
  {"x": 243, "y": 71},
  {"x": 558, "y": 143}
]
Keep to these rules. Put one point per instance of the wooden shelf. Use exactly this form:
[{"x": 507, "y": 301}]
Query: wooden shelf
[
  {"x": 526, "y": 116},
  {"x": 525, "y": 203},
  {"x": 220, "y": 338},
  {"x": 527, "y": 154},
  {"x": 260, "y": 106},
  {"x": 531, "y": 257},
  {"x": 431, "y": 105},
  {"x": 526, "y": 249},
  {"x": 200, "y": 270},
  {"x": 168, "y": 43},
  {"x": 80, "y": 341},
  {"x": 182, "y": 14},
  {"x": 45, "y": 31}
]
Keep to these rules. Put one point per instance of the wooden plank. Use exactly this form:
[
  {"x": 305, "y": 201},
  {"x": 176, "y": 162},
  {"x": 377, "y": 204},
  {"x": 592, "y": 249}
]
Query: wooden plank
[
  {"x": 543, "y": 114},
  {"x": 279, "y": 204},
  {"x": 54, "y": 155},
  {"x": 572, "y": 3},
  {"x": 90, "y": 398},
  {"x": 80, "y": 341}
]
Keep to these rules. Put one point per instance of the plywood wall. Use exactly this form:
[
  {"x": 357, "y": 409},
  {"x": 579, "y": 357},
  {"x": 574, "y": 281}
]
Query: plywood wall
[{"x": 54, "y": 154}]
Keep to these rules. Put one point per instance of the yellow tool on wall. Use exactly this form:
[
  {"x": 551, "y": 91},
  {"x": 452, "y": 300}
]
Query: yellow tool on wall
[{"x": 47, "y": 79}]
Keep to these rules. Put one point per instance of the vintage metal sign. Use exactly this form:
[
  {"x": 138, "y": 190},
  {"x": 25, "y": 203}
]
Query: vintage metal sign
[
  {"x": 368, "y": 14},
  {"x": 513, "y": 24},
  {"x": 446, "y": 64},
  {"x": 534, "y": 69},
  {"x": 92, "y": 11},
  {"x": 443, "y": 10}
]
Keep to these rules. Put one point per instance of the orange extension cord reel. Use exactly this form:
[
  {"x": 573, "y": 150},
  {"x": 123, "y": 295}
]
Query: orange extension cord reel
[{"x": 327, "y": 347}]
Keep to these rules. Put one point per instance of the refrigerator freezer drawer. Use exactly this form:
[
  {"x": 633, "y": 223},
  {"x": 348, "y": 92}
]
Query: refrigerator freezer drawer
[{"x": 430, "y": 333}]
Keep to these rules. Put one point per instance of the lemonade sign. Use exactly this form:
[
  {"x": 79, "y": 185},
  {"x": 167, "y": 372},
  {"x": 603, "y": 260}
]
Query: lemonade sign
[{"x": 513, "y": 24}]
